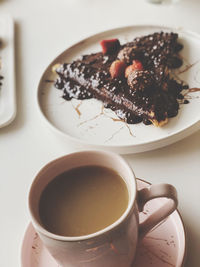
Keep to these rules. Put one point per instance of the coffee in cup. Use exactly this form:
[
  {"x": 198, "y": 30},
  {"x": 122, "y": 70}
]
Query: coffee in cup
[{"x": 83, "y": 200}]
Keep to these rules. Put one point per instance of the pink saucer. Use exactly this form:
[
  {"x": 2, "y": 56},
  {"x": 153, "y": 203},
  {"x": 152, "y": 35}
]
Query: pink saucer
[{"x": 164, "y": 246}]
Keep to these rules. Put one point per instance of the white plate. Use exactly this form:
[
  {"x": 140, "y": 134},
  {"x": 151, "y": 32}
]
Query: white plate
[
  {"x": 7, "y": 91},
  {"x": 86, "y": 124}
]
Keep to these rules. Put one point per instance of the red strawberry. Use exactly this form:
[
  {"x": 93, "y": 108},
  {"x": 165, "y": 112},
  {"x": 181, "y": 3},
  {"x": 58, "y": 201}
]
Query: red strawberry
[
  {"x": 117, "y": 69},
  {"x": 137, "y": 65},
  {"x": 109, "y": 46}
]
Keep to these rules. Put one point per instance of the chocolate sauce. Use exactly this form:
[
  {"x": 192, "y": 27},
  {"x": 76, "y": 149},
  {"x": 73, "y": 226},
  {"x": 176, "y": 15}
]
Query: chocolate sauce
[
  {"x": 150, "y": 95},
  {"x": 186, "y": 95},
  {"x": 1, "y": 78},
  {"x": 188, "y": 66},
  {"x": 49, "y": 81},
  {"x": 193, "y": 90}
]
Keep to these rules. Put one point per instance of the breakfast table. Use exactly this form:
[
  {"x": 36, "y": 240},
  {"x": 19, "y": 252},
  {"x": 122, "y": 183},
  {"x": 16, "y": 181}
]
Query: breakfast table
[{"x": 43, "y": 29}]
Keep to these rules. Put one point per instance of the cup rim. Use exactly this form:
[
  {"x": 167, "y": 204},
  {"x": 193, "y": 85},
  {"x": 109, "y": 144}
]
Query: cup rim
[{"x": 110, "y": 227}]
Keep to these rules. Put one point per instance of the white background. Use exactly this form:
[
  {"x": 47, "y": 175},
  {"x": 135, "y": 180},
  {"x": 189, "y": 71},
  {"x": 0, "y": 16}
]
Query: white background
[{"x": 44, "y": 28}]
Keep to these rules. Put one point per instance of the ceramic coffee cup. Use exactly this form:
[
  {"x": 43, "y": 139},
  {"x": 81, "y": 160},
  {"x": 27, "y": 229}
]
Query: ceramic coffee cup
[{"x": 115, "y": 245}]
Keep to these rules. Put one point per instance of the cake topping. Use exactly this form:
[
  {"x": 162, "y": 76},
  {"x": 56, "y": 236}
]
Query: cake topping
[
  {"x": 117, "y": 69},
  {"x": 128, "y": 54},
  {"x": 141, "y": 81},
  {"x": 136, "y": 65},
  {"x": 110, "y": 46}
]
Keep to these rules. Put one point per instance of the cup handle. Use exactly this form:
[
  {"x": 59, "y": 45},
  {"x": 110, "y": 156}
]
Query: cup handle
[{"x": 151, "y": 192}]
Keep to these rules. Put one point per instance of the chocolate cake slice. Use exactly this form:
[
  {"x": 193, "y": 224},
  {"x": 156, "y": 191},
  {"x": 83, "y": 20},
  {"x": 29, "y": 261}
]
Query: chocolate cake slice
[{"x": 132, "y": 79}]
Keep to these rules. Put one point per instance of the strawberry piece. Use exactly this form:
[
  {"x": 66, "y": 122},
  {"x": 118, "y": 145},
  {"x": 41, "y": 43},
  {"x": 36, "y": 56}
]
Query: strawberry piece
[
  {"x": 117, "y": 69},
  {"x": 137, "y": 65},
  {"x": 109, "y": 46}
]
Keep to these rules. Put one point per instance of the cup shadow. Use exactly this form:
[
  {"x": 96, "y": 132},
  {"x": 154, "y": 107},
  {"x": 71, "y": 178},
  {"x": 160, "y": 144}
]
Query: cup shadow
[{"x": 192, "y": 245}]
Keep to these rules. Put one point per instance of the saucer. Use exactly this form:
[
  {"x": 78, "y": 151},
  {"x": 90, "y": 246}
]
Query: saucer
[{"x": 164, "y": 246}]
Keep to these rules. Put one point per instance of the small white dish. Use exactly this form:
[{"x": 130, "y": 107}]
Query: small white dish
[
  {"x": 87, "y": 124},
  {"x": 7, "y": 70}
]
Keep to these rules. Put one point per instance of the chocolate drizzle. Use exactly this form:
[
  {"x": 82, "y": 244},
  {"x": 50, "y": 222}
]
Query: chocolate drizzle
[
  {"x": 133, "y": 102},
  {"x": 1, "y": 78},
  {"x": 193, "y": 90}
]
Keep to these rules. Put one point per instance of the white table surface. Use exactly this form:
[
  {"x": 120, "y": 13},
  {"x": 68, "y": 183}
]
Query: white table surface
[{"x": 44, "y": 28}]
